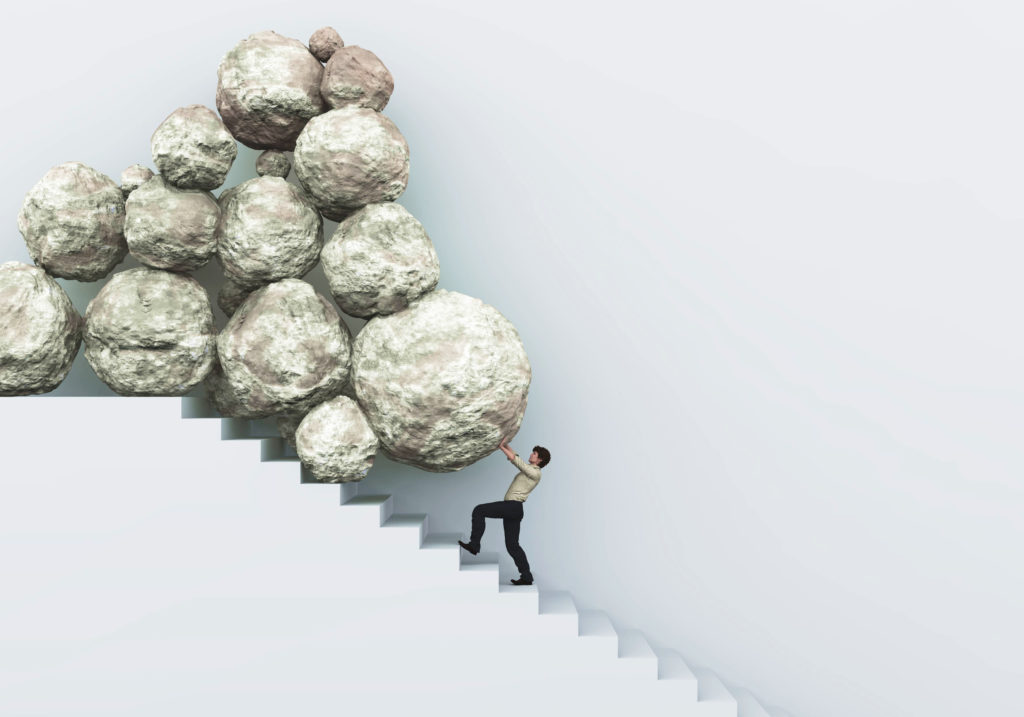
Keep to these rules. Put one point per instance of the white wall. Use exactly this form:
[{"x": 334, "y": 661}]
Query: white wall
[{"x": 765, "y": 261}]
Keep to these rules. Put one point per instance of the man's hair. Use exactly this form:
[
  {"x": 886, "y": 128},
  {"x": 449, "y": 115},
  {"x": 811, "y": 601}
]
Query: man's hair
[{"x": 544, "y": 454}]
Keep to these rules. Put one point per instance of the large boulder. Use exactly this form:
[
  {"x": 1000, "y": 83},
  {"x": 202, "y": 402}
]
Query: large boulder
[
  {"x": 40, "y": 331},
  {"x": 73, "y": 222},
  {"x": 350, "y": 157},
  {"x": 171, "y": 228},
  {"x": 193, "y": 149},
  {"x": 285, "y": 349},
  {"x": 268, "y": 230},
  {"x": 335, "y": 442},
  {"x": 379, "y": 260},
  {"x": 150, "y": 332},
  {"x": 268, "y": 86},
  {"x": 441, "y": 382}
]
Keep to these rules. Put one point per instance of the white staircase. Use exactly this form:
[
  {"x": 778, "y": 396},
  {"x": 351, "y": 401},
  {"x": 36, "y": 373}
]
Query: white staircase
[{"x": 280, "y": 603}]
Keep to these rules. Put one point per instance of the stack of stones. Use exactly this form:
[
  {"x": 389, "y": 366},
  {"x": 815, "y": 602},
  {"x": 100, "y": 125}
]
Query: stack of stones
[{"x": 435, "y": 378}]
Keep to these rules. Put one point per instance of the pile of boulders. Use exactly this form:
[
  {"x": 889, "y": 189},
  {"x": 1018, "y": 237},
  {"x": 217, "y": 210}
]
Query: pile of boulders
[{"x": 435, "y": 378}]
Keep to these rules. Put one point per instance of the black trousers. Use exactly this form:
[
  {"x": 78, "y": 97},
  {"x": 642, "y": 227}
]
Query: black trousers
[{"x": 511, "y": 513}]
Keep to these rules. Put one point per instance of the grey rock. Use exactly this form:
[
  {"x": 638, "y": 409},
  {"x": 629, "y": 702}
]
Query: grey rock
[
  {"x": 350, "y": 157},
  {"x": 232, "y": 294},
  {"x": 325, "y": 42},
  {"x": 221, "y": 394},
  {"x": 150, "y": 332},
  {"x": 288, "y": 421},
  {"x": 273, "y": 163},
  {"x": 73, "y": 223},
  {"x": 40, "y": 331},
  {"x": 335, "y": 442},
  {"x": 268, "y": 230},
  {"x": 193, "y": 149},
  {"x": 171, "y": 228},
  {"x": 442, "y": 381},
  {"x": 134, "y": 177},
  {"x": 284, "y": 349},
  {"x": 379, "y": 260},
  {"x": 268, "y": 86},
  {"x": 356, "y": 76}
]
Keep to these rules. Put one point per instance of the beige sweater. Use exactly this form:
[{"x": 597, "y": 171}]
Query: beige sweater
[{"x": 525, "y": 481}]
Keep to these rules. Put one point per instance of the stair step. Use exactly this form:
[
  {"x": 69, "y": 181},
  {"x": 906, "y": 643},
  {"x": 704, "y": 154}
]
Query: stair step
[
  {"x": 713, "y": 696},
  {"x": 675, "y": 673},
  {"x": 413, "y": 523},
  {"x": 595, "y": 623},
  {"x": 442, "y": 541},
  {"x": 747, "y": 704},
  {"x": 522, "y": 598},
  {"x": 635, "y": 653}
]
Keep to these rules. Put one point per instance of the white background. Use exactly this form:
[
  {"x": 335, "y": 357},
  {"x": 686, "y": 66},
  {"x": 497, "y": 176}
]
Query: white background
[{"x": 765, "y": 259}]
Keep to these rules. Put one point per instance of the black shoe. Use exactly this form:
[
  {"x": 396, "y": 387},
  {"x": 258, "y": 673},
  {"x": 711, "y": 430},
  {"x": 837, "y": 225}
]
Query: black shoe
[
  {"x": 469, "y": 547},
  {"x": 522, "y": 581}
]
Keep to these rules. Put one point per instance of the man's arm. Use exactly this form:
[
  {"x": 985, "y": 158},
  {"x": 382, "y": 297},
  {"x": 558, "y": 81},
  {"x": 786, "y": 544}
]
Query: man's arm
[{"x": 506, "y": 449}]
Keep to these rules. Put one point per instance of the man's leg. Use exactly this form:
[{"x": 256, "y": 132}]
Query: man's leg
[
  {"x": 482, "y": 511},
  {"x": 512, "y": 523}
]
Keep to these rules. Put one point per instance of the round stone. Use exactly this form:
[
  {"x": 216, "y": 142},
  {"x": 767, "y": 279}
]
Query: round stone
[
  {"x": 193, "y": 149},
  {"x": 134, "y": 177},
  {"x": 273, "y": 163},
  {"x": 150, "y": 332},
  {"x": 268, "y": 86},
  {"x": 73, "y": 223},
  {"x": 441, "y": 382},
  {"x": 268, "y": 230},
  {"x": 335, "y": 442},
  {"x": 285, "y": 348},
  {"x": 40, "y": 331},
  {"x": 232, "y": 294},
  {"x": 379, "y": 260},
  {"x": 171, "y": 228},
  {"x": 350, "y": 157},
  {"x": 356, "y": 76},
  {"x": 324, "y": 42}
]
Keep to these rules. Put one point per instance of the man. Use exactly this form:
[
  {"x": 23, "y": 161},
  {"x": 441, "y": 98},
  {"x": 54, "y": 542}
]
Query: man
[{"x": 510, "y": 510}]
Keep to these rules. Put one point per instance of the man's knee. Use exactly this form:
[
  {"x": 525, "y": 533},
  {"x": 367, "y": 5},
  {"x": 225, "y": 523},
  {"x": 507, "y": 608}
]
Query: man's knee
[{"x": 478, "y": 510}]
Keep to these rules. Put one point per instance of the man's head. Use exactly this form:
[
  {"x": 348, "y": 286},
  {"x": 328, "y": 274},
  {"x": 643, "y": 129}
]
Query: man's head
[{"x": 540, "y": 457}]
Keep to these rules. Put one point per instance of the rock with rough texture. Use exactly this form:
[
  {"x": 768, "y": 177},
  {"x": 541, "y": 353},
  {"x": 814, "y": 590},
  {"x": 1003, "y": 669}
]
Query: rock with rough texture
[
  {"x": 73, "y": 222},
  {"x": 268, "y": 230},
  {"x": 232, "y": 294},
  {"x": 40, "y": 331},
  {"x": 285, "y": 349},
  {"x": 268, "y": 87},
  {"x": 441, "y": 382},
  {"x": 350, "y": 157},
  {"x": 325, "y": 42},
  {"x": 335, "y": 442},
  {"x": 379, "y": 260},
  {"x": 193, "y": 149},
  {"x": 221, "y": 394},
  {"x": 356, "y": 76},
  {"x": 273, "y": 163},
  {"x": 150, "y": 332},
  {"x": 134, "y": 177},
  {"x": 171, "y": 228}
]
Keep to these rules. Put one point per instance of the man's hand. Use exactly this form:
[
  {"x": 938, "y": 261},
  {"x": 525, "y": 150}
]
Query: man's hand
[{"x": 506, "y": 449}]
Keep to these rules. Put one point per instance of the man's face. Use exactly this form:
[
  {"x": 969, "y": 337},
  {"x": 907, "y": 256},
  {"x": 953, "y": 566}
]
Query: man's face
[{"x": 534, "y": 458}]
